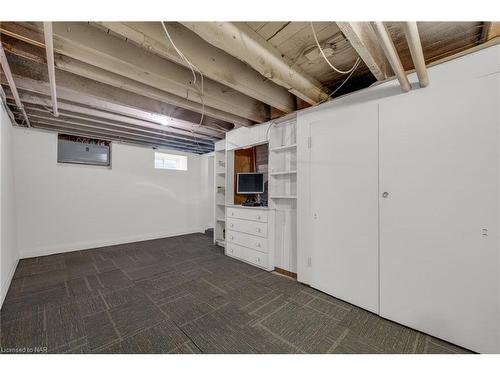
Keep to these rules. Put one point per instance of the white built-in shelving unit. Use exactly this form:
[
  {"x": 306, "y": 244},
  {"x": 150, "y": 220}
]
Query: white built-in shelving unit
[
  {"x": 220, "y": 193},
  {"x": 283, "y": 190}
]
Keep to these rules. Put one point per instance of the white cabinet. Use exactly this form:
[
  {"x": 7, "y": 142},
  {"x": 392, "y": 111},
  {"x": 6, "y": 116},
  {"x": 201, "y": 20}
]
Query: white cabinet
[
  {"x": 439, "y": 248},
  {"x": 250, "y": 235},
  {"x": 344, "y": 205},
  {"x": 399, "y": 202}
]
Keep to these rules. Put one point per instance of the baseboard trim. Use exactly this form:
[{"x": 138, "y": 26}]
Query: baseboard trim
[
  {"x": 6, "y": 286},
  {"x": 67, "y": 248},
  {"x": 293, "y": 275}
]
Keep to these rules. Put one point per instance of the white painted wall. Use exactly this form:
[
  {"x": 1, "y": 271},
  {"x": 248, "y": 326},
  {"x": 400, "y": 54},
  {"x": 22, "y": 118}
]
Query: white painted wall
[
  {"x": 65, "y": 207},
  {"x": 8, "y": 231},
  {"x": 439, "y": 162}
]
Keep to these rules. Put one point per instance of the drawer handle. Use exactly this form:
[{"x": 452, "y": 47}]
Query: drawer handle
[
  {"x": 232, "y": 213},
  {"x": 258, "y": 230},
  {"x": 258, "y": 260},
  {"x": 258, "y": 217},
  {"x": 232, "y": 225},
  {"x": 231, "y": 237},
  {"x": 258, "y": 244},
  {"x": 231, "y": 250}
]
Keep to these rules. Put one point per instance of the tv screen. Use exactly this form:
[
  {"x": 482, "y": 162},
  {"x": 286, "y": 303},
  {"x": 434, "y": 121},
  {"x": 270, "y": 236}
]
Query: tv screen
[{"x": 250, "y": 183}]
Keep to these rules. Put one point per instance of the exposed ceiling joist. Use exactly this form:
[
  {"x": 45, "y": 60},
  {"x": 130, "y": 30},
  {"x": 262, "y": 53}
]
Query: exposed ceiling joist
[
  {"x": 4, "y": 63},
  {"x": 168, "y": 100},
  {"x": 89, "y": 44},
  {"x": 213, "y": 62},
  {"x": 240, "y": 41},
  {"x": 180, "y": 107},
  {"x": 32, "y": 107},
  {"x": 39, "y": 116},
  {"x": 105, "y": 98},
  {"x": 364, "y": 40},
  {"x": 49, "y": 48},
  {"x": 111, "y": 137},
  {"x": 97, "y": 116}
]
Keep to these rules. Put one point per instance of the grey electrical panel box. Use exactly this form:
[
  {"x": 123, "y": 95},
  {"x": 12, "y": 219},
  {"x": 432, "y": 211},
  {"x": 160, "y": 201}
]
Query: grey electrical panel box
[{"x": 82, "y": 153}]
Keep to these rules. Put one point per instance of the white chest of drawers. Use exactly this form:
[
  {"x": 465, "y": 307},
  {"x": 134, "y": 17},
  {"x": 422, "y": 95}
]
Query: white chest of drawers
[{"x": 250, "y": 235}]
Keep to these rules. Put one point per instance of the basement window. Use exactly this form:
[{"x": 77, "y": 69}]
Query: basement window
[{"x": 170, "y": 161}]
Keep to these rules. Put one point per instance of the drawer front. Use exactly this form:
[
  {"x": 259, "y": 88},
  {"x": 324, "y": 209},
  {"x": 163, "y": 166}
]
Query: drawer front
[
  {"x": 247, "y": 240},
  {"x": 247, "y": 226},
  {"x": 247, "y": 214},
  {"x": 251, "y": 256},
  {"x": 235, "y": 250},
  {"x": 257, "y": 258}
]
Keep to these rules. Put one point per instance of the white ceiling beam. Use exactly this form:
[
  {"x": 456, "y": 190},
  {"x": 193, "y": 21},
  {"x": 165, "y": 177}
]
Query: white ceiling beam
[
  {"x": 91, "y": 45},
  {"x": 37, "y": 115},
  {"x": 4, "y": 63},
  {"x": 34, "y": 103},
  {"x": 81, "y": 131},
  {"x": 240, "y": 41},
  {"x": 124, "y": 113},
  {"x": 213, "y": 62},
  {"x": 100, "y": 75},
  {"x": 364, "y": 40},
  {"x": 42, "y": 101},
  {"x": 49, "y": 50},
  {"x": 180, "y": 107}
]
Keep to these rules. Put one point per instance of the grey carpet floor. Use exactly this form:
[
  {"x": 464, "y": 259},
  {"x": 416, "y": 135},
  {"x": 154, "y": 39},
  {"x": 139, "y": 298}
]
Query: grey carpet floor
[{"x": 182, "y": 295}]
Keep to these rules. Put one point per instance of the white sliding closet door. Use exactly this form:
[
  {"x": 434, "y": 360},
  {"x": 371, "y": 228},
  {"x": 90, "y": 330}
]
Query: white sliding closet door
[
  {"x": 344, "y": 204},
  {"x": 439, "y": 248}
]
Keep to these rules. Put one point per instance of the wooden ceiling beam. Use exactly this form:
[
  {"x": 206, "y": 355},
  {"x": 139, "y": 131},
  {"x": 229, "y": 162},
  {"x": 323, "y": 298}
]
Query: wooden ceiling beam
[
  {"x": 240, "y": 41},
  {"x": 213, "y": 62},
  {"x": 91, "y": 45},
  {"x": 364, "y": 40}
]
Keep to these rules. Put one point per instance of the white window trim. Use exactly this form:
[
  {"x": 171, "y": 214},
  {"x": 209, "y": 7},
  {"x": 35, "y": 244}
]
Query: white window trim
[{"x": 161, "y": 157}]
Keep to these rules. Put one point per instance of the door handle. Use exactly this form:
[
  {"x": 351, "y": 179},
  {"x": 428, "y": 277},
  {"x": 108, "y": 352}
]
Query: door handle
[{"x": 385, "y": 194}]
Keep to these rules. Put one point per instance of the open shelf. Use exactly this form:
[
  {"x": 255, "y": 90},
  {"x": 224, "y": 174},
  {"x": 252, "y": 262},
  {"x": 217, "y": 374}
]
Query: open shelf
[
  {"x": 283, "y": 197},
  {"x": 221, "y": 243},
  {"x": 283, "y": 148},
  {"x": 220, "y": 204},
  {"x": 222, "y": 219},
  {"x": 282, "y": 173}
]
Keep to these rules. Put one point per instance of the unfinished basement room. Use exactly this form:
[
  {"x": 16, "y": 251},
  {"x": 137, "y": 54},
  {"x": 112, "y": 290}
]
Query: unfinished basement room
[{"x": 249, "y": 187}]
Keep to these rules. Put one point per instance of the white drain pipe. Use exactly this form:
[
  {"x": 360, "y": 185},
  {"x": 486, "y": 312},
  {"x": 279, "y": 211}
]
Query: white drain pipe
[
  {"x": 417, "y": 55},
  {"x": 49, "y": 49},
  {"x": 8, "y": 74},
  {"x": 392, "y": 55}
]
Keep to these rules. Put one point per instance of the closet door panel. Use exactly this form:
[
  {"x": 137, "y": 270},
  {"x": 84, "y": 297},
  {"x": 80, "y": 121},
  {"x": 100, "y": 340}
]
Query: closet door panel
[
  {"x": 344, "y": 204},
  {"x": 439, "y": 254}
]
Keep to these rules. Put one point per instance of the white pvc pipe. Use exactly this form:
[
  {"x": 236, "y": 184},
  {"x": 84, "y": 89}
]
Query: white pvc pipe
[
  {"x": 392, "y": 55},
  {"x": 417, "y": 55},
  {"x": 49, "y": 49},
  {"x": 8, "y": 74}
]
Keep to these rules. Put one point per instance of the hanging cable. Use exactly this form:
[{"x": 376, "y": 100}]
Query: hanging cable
[
  {"x": 326, "y": 59},
  {"x": 343, "y": 82},
  {"x": 192, "y": 67}
]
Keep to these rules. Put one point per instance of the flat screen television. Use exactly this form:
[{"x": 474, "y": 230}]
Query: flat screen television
[{"x": 250, "y": 183}]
